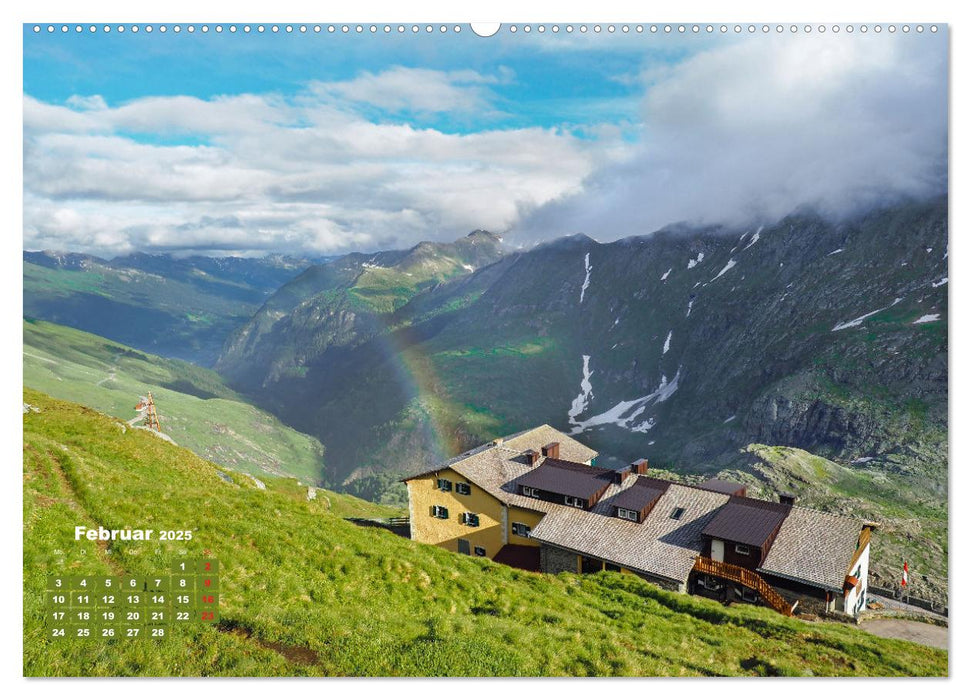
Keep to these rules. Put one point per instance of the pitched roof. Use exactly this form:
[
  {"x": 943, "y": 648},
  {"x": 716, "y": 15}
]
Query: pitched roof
[
  {"x": 660, "y": 545},
  {"x": 568, "y": 478},
  {"x": 732, "y": 488},
  {"x": 513, "y": 446},
  {"x": 747, "y": 520},
  {"x": 814, "y": 547},
  {"x": 641, "y": 493}
]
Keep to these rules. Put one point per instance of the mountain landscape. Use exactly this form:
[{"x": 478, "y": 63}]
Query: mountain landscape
[
  {"x": 177, "y": 307},
  {"x": 685, "y": 346},
  {"x": 316, "y": 615},
  {"x": 802, "y": 355}
]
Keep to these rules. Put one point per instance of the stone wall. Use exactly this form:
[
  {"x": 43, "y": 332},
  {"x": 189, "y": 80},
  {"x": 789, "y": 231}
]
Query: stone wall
[{"x": 554, "y": 561}]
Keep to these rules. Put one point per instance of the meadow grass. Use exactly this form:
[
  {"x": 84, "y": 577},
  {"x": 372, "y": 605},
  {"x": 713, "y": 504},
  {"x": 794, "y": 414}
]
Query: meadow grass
[
  {"x": 195, "y": 407},
  {"x": 306, "y": 593}
]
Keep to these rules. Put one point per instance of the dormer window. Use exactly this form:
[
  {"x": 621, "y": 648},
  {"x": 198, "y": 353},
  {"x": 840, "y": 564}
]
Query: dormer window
[
  {"x": 573, "y": 501},
  {"x": 628, "y": 514},
  {"x": 527, "y": 491}
]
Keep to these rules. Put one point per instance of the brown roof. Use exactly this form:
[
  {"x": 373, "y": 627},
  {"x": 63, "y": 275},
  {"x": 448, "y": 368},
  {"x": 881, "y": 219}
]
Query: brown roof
[
  {"x": 519, "y": 556},
  {"x": 747, "y": 521},
  {"x": 721, "y": 486},
  {"x": 641, "y": 493},
  {"x": 567, "y": 478},
  {"x": 814, "y": 547}
]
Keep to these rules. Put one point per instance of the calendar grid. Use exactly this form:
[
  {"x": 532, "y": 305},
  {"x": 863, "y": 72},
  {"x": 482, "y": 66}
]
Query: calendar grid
[{"x": 133, "y": 607}]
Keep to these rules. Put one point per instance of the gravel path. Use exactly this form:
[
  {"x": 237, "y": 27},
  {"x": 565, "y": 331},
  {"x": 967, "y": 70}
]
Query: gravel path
[{"x": 920, "y": 632}]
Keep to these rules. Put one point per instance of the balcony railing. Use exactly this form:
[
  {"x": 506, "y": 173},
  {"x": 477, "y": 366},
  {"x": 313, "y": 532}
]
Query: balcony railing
[{"x": 746, "y": 577}]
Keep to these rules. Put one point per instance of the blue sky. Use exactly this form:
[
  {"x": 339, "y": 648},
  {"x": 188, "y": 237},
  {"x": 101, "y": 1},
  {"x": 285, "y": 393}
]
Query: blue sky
[{"x": 320, "y": 143}]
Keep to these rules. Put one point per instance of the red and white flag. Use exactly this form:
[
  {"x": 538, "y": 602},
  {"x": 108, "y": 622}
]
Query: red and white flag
[{"x": 903, "y": 581}]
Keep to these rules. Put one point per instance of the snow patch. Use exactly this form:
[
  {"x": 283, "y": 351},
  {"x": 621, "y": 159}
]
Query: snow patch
[
  {"x": 929, "y": 250},
  {"x": 927, "y": 318},
  {"x": 667, "y": 343},
  {"x": 468, "y": 267},
  {"x": 586, "y": 281},
  {"x": 728, "y": 266},
  {"x": 862, "y": 460},
  {"x": 838, "y": 250},
  {"x": 624, "y": 413},
  {"x": 580, "y": 403},
  {"x": 695, "y": 261},
  {"x": 665, "y": 275},
  {"x": 856, "y": 321},
  {"x": 940, "y": 283},
  {"x": 691, "y": 303},
  {"x": 728, "y": 420},
  {"x": 755, "y": 239}
]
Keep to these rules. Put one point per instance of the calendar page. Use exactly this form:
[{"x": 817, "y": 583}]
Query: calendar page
[{"x": 519, "y": 349}]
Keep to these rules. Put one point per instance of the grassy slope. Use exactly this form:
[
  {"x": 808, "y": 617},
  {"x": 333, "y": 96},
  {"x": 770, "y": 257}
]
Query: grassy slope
[
  {"x": 335, "y": 599},
  {"x": 196, "y": 409}
]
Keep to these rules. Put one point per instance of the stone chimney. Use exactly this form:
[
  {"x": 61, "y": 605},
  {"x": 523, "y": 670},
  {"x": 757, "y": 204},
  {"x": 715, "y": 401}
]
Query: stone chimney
[{"x": 532, "y": 457}]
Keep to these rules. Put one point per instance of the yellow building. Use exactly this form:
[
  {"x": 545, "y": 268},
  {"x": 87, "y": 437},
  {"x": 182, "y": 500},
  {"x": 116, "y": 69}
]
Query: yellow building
[
  {"x": 534, "y": 500},
  {"x": 469, "y": 504}
]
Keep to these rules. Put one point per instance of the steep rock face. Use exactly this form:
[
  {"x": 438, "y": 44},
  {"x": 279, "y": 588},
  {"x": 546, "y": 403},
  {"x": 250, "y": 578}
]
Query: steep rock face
[{"x": 683, "y": 346}]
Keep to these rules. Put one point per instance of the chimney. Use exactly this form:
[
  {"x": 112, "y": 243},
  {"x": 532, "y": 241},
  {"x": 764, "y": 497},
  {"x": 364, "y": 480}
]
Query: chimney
[
  {"x": 551, "y": 450},
  {"x": 532, "y": 457},
  {"x": 639, "y": 466},
  {"x": 622, "y": 473},
  {"x": 787, "y": 499}
]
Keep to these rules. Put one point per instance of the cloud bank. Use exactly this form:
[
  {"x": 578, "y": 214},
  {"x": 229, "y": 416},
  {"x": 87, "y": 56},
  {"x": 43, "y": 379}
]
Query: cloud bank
[
  {"x": 748, "y": 129},
  {"x": 756, "y": 130}
]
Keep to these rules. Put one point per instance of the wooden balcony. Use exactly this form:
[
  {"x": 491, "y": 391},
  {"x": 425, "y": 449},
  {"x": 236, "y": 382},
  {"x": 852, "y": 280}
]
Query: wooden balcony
[{"x": 747, "y": 578}]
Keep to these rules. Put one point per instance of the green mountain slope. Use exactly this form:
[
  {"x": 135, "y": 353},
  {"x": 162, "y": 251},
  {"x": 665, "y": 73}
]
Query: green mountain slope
[
  {"x": 684, "y": 347},
  {"x": 306, "y": 593},
  {"x": 195, "y": 408},
  {"x": 341, "y": 302},
  {"x": 182, "y": 308}
]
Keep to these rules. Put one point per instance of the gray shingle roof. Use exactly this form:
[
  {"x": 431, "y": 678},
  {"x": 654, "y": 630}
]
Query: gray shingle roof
[
  {"x": 660, "y": 545},
  {"x": 814, "y": 547}
]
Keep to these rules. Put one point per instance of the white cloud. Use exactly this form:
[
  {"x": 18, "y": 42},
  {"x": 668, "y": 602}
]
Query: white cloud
[
  {"x": 266, "y": 173},
  {"x": 758, "y": 128}
]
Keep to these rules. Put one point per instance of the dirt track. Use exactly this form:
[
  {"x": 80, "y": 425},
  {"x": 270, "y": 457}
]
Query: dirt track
[{"x": 911, "y": 630}]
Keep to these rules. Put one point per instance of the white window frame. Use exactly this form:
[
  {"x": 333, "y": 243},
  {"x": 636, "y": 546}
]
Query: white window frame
[
  {"x": 440, "y": 512},
  {"x": 444, "y": 485},
  {"x": 462, "y": 485},
  {"x": 573, "y": 501},
  {"x": 522, "y": 528},
  {"x": 530, "y": 491},
  {"x": 628, "y": 514},
  {"x": 467, "y": 519},
  {"x": 743, "y": 549}
]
